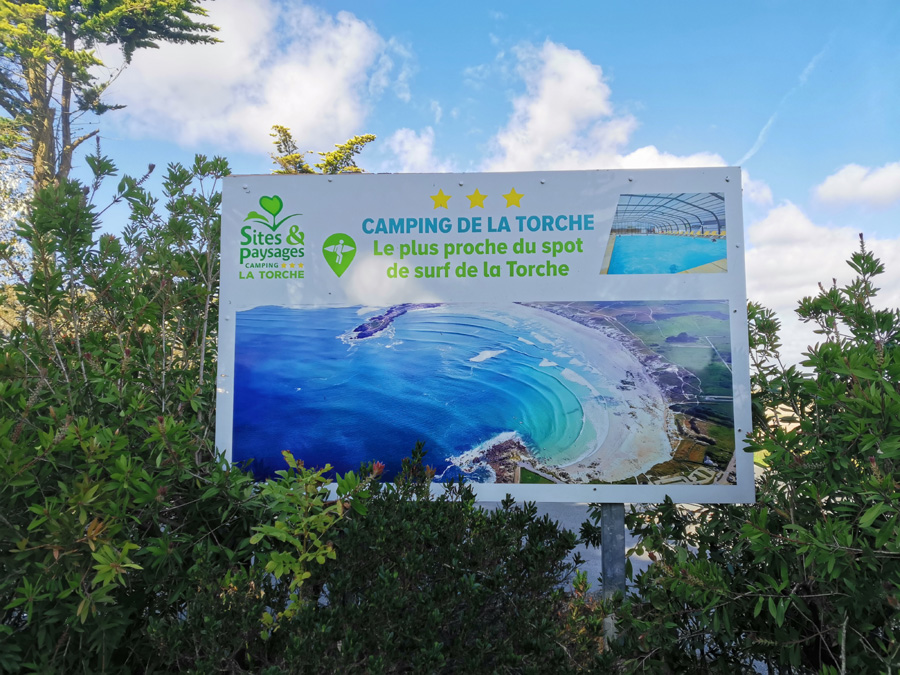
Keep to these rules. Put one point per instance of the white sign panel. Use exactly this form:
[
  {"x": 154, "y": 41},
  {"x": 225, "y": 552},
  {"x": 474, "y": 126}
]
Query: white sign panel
[{"x": 559, "y": 336}]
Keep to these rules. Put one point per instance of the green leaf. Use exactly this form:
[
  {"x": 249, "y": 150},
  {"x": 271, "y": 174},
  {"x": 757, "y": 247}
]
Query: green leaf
[
  {"x": 37, "y": 522},
  {"x": 782, "y": 608},
  {"x": 759, "y": 606},
  {"x": 869, "y": 516},
  {"x": 886, "y": 532},
  {"x": 253, "y": 215}
]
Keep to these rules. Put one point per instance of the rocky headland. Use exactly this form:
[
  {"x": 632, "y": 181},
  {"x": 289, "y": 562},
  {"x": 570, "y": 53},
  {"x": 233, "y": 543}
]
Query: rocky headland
[{"x": 376, "y": 324}]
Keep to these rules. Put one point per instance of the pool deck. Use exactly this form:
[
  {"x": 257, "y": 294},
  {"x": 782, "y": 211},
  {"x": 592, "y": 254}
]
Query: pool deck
[
  {"x": 713, "y": 267},
  {"x": 607, "y": 257}
]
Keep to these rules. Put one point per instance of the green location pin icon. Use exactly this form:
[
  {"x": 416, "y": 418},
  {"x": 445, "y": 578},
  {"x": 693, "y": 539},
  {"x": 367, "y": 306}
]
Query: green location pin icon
[{"x": 339, "y": 251}]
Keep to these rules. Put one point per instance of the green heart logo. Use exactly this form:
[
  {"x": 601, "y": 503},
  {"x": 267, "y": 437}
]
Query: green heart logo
[
  {"x": 271, "y": 205},
  {"x": 339, "y": 251}
]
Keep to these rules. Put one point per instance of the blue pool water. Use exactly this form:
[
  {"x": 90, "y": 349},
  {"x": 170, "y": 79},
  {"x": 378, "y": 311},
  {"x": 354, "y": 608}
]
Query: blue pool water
[
  {"x": 455, "y": 377},
  {"x": 663, "y": 254}
]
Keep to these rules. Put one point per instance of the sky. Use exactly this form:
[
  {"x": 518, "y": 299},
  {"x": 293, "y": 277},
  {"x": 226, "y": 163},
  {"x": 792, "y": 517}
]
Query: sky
[{"x": 804, "y": 97}]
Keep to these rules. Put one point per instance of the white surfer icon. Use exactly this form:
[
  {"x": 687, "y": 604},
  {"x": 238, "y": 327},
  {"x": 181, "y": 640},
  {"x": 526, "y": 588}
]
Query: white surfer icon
[{"x": 338, "y": 250}]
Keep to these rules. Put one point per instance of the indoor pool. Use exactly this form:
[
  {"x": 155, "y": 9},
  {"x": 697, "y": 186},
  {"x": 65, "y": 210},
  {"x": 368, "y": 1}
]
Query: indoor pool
[{"x": 663, "y": 254}]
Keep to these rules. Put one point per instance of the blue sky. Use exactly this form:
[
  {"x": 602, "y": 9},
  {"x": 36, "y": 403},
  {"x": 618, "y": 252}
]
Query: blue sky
[{"x": 804, "y": 96}]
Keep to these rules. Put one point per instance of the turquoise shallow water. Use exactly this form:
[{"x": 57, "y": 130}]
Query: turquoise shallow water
[
  {"x": 455, "y": 376},
  {"x": 663, "y": 254}
]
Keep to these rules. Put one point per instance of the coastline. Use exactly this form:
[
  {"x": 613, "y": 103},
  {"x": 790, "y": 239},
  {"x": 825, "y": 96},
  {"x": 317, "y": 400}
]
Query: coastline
[
  {"x": 627, "y": 393},
  {"x": 500, "y": 454},
  {"x": 591, "y": 400},
  {"x": 639, "y": 426}
]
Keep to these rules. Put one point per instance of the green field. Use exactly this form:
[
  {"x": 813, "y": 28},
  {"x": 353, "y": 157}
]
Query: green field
[
  {"x": 706, "y": 349},
  {"x": 531, "y": 477}
]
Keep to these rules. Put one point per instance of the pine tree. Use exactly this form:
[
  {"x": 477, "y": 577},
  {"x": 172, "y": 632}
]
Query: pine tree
[{"x": 48, "y": 69}]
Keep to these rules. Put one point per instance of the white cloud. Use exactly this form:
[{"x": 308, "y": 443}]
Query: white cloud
[
  {"x": 563, "y": 115},
  {"x": 862, "y": 185},
  {"x": 405, "y": 72},
  {"x": 414, "y": 153},
  {"x": 650, "y": 157},
  {"x": 279, "y": 63},
  {"x": 437, "y": 110},
  {"x": 566, "y": 120},
  {"x": 756, "y": 191},
  {"x": 475, "y": 76},
  {"x": 789, "y": 256}
]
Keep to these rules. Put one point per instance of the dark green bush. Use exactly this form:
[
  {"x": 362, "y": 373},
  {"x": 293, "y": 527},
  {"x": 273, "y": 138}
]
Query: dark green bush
[
  {"x": 126, "y": 542},
  {"x": 438, "y": 585}
]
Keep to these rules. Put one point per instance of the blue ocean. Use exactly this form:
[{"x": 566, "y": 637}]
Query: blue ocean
[{"x": 455, "y": 376}]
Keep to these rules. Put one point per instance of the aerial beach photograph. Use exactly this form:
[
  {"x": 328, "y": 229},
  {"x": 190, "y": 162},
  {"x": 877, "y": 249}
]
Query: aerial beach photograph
[
  {"x": 678, "y": 233},
  {"x": 544, "y": 392}
]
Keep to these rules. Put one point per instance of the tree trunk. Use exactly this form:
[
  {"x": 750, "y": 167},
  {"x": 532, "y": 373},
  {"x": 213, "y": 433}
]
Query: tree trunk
[
  {"x": 43, "y": 143},
  {"x": 65, "y": 112}
]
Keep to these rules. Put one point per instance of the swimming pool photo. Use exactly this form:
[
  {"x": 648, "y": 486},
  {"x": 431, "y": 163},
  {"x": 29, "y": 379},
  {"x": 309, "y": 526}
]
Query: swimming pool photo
[
  {"x": 670, "y": 233},
  {"x": 665, "y": 254}
]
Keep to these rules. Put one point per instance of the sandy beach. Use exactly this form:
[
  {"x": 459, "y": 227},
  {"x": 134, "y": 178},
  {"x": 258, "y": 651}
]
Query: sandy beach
[{"x": 638, "y": 423}]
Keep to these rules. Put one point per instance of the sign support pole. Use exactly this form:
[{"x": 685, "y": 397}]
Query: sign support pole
[{"x": 612, "y": 552}]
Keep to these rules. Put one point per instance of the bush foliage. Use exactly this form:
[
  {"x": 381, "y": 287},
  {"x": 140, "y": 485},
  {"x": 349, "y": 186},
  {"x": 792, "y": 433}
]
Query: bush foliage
[
  {"x": 440, "y": 585},
  {"x": 114, "y": 506}
]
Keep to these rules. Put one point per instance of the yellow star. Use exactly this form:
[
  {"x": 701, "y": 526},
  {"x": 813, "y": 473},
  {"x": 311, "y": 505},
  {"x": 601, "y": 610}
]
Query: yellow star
[
  {"x": 283, "y": 265},
  {"x": 476, "y": 199},
  {"x": 292, "y": 265},
  {"x": 512, "y": 199},
  {"x": 300, "y": 265},
  {"x": 440, "y": 199}
]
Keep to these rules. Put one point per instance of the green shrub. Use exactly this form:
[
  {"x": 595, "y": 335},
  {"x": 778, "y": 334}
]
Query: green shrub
[
  {"x": 126, "y": 542},
  {"x": 438, "y": 585}
]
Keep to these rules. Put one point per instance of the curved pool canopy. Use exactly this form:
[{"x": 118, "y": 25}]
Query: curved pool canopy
[{"x": 688, "y": 213}]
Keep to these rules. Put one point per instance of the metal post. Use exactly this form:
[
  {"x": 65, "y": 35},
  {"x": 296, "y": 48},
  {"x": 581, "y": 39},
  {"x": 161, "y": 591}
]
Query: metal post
[{"x": 612, "y": 530}]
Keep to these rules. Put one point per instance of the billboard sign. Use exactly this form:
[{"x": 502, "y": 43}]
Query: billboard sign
[{"x": 559, "y": 336}]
